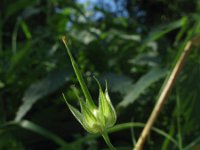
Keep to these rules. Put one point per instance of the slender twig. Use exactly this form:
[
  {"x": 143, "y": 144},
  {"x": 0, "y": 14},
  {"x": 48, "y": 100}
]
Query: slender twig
[{"x": 164, "y": 94}]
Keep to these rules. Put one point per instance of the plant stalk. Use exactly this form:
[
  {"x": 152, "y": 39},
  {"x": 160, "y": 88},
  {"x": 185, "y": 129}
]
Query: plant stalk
[
  {"x": 107, "y": 140},
  {"x": 164, "y": 94},
  {"x": 79, "y": 76}
]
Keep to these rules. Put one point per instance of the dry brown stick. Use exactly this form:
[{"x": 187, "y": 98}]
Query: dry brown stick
[{"x": 163, "y": 96}]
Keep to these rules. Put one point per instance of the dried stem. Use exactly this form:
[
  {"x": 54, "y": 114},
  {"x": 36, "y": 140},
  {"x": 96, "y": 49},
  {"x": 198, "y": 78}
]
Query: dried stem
[{"x": 163, "y": 96}]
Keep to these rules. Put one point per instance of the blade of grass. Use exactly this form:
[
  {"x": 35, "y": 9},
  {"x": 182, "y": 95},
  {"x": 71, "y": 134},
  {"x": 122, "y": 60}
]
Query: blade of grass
[
  {"x": 25, "y": 124},
  {"x": 133, "y": 136},
  {"x": 26, "y": 30},
  {"x": 193, "y": 143},
  {"x": 180, "y": 143},
  {"x": 167, "y": 141}
]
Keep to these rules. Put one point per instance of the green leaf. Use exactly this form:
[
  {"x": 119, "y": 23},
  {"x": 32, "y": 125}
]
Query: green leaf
[
  {"x": 162, "y": 30},
  {"x": 40, "y": 89},
  {"x": 37, "y": 129},
  {"x": 141, "y": 85}
]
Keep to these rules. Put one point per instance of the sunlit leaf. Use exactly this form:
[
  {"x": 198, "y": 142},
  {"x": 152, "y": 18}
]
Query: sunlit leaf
[
  {"x": 141, "y": 85},
  {"x": 40, "y": 89}
]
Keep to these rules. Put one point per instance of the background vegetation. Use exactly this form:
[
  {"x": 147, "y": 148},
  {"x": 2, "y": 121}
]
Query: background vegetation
[{"x": 130, "y": 43}]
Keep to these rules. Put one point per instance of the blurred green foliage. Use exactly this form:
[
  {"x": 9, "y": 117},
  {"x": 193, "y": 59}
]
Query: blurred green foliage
[{"x": 130, "y": 43}]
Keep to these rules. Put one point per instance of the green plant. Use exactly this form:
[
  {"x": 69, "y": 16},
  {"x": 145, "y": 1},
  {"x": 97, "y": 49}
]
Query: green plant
[{"x": 93, "y": 119}]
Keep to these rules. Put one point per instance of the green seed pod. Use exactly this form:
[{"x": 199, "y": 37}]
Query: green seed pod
[{"x": 93, "y": 119}]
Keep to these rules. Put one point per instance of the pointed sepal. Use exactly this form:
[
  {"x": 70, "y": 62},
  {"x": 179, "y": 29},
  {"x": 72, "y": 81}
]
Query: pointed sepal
[
  {"x": 74, "y": 111},
  {"x": 108, "y": 115}
]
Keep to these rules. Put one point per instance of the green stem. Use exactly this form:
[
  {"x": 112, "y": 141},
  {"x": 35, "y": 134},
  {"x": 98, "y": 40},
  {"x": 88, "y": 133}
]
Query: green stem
[
  {"x": 179, "y": 123},
  {"x": 79, "y": 77},
  {"x": 107, "y": 140}
]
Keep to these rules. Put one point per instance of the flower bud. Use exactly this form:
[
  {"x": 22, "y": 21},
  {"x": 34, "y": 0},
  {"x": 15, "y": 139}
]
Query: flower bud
[{"x": 95, "y": 120}]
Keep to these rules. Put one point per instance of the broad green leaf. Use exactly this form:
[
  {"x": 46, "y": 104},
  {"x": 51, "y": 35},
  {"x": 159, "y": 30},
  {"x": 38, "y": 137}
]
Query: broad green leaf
[
  {"x": 141, "y": 85},
  {"x": 40, "y": 89}
]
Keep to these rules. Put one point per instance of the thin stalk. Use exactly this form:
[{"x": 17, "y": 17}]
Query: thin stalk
[
  {"x": 26, "y": 124},
  {"x": 124, "y": 126},
  {"x": 79, "y": 77},
  {"x": 133, "y": 135},
  {"x": 164, "y": 95},
  {"x": 107, "y": 140}
]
